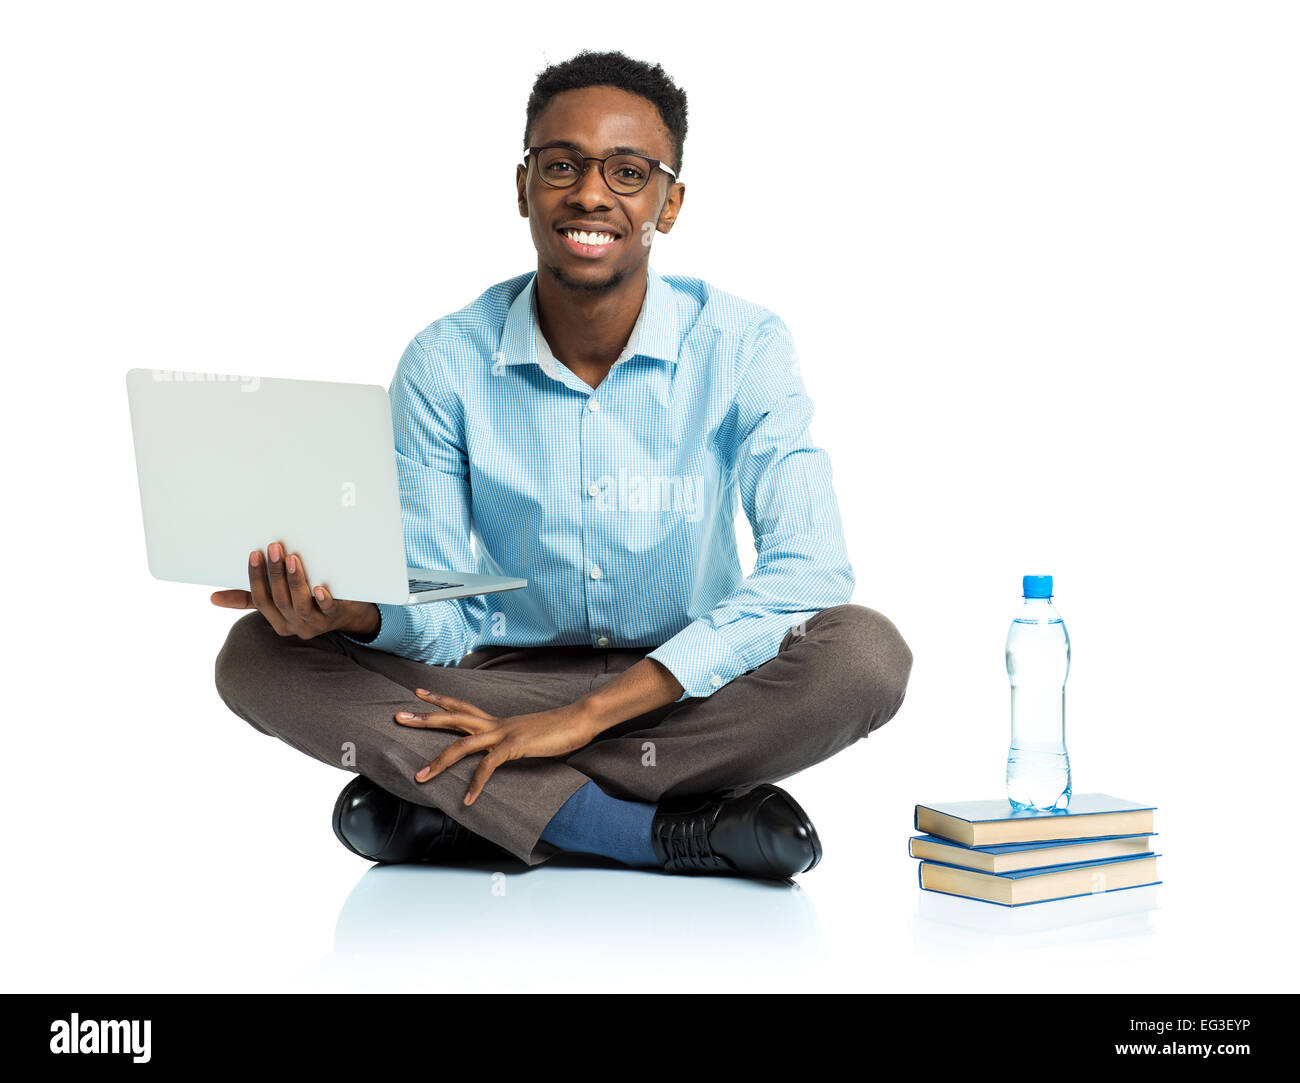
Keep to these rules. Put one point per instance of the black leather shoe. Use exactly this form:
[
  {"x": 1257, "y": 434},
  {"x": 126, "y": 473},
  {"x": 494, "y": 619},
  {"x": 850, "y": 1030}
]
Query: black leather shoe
[
  {"x": 762, "y": 833},
  {"x": 378, "y": 826}
]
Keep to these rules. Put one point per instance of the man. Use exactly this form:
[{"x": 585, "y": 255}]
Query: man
[{"x": 592, "y": 424}]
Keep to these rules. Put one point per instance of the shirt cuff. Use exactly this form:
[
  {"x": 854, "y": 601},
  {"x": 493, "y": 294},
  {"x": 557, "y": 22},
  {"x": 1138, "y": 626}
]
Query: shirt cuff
[
  {"x": 701, "y": 659},
  {"x": 433, "y": 637},
  {"x": 394, "y": 624}
]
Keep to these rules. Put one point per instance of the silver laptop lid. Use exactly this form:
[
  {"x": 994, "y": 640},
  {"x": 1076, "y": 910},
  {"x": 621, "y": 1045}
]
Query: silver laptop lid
[{"x": 228, "y": 464}]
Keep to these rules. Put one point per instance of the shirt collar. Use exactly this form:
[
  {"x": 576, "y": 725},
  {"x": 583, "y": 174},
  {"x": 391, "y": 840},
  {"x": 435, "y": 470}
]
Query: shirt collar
[{"x": 655, "y": 334}]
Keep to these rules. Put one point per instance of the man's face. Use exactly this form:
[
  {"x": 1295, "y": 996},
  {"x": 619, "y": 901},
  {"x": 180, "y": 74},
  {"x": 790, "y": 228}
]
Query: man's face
[{"x": 598, "y": 121}]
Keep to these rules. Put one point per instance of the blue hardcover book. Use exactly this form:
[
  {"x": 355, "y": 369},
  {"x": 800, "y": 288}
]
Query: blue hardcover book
[
  {"x": 1040, "y": 885},
  {"x": 1025, "y": 855},
  {"x": 996, "y": 823}
]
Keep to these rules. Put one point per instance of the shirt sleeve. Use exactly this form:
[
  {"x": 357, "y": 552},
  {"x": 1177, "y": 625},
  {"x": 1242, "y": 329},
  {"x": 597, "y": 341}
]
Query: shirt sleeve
[
  {"x": 785, "y": 486},
  {"x": 433, "y": 487}
]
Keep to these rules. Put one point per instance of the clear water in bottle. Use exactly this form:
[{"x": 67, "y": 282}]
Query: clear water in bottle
[{"x": 1038, "y": 661}]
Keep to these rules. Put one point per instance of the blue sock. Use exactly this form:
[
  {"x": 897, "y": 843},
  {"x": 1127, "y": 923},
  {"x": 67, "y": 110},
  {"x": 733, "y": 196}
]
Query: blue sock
[{"x": 592, "y": 822}]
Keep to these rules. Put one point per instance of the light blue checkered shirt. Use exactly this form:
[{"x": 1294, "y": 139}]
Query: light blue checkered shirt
[{"x": 618, "y": 504}]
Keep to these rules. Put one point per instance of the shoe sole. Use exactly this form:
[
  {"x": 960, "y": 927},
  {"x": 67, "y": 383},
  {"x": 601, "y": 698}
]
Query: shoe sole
[{"x": 776, "y": 791}]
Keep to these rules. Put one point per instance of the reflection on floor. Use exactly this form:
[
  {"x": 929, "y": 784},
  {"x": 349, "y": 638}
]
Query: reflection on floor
[{"x": 564, "y": 918}]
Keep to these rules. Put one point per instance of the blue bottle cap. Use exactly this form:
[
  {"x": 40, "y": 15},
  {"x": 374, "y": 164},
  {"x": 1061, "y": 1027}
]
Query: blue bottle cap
[{"x": 1037, "y": 586}]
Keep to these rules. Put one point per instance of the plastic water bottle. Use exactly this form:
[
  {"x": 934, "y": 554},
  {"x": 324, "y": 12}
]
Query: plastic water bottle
[{"x": 1038, "y": 661}]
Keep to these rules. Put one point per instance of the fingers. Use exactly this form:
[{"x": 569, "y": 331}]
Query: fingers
[
  {"x": 487, "y": 765},
  {"x": 455, "y": 752},
  {"x": 446, "y": 720},
  {"x": 261, "y": 592},
  {"x": 328, "y": 603},
  {"x": 279, "y": 581},
  {"x": 233, "y": 599},
  {"x": 281, "y": 591},
  {"x": 451, "y": 703},
  {"x": 300, "y": 594}
]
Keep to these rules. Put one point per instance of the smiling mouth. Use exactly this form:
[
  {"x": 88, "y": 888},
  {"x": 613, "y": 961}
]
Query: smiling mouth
[{"x": 588, "y": 239}]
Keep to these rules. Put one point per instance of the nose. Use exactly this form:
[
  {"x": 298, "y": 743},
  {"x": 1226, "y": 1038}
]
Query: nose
[{"x": 590, "y": 192}]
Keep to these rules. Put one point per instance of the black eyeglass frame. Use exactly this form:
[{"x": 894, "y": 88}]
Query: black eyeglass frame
[{"x": 654, "y": 163}]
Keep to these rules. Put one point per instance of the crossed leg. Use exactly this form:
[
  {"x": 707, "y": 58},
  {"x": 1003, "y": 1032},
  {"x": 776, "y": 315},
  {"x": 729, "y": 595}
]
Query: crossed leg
[{"x": 831, "y": 683}]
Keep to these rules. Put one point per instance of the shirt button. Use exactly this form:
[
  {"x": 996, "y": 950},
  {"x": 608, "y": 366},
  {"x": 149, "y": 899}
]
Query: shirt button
[
  {"x": 603, "y": 641},
  {"x": 593, "y": 489},
  {"x": 593, "y": 405},
  {"x": 596, "y": 573},
  {"x": 715, "y": 680}
]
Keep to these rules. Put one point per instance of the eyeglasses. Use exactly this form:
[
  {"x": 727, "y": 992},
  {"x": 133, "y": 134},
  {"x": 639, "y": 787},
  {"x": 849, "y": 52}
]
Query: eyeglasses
[{"x": 625, "y": 174}]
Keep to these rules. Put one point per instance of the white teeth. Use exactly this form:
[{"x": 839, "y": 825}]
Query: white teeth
[{"x": 589, "y": 238}]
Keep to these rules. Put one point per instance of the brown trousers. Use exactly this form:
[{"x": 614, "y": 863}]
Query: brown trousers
[{"x": 833, "y": 681}]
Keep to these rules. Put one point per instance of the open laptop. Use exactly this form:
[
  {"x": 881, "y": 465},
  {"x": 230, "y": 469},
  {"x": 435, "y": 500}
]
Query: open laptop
[{"x": 229, "y": 464}]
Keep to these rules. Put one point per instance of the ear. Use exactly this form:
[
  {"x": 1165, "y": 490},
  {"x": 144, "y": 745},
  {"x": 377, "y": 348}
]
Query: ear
[
  {"x": 521, "y": 185},
  {"x": 672, "y": 208}
]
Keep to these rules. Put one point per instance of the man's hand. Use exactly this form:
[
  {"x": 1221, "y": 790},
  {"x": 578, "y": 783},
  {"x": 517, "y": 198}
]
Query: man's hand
[
  {"x": 640, "y": 688},
  {"x": 547, "y": 733},
  {"x": 279, "y": 590}
]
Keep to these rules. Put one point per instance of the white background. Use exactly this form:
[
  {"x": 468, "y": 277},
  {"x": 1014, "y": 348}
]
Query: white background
[{"x": 1040, "y": 263}]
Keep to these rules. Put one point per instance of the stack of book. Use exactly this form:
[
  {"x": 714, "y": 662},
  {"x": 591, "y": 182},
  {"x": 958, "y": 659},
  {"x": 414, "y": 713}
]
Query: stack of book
[{"x": 987, "y": 850}]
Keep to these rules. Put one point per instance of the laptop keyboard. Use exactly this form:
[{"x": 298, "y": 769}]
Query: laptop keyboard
[{"x": 418, "y": 585}]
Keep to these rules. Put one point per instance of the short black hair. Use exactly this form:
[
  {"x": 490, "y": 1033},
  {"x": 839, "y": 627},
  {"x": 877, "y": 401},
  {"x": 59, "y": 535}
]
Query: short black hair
[{"x": 617, "y": 70}]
